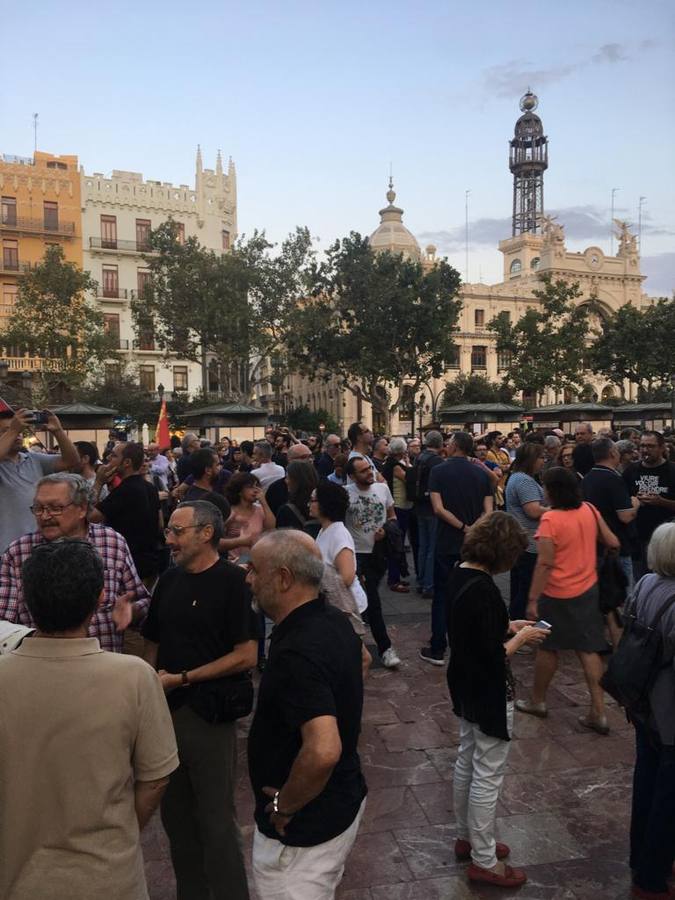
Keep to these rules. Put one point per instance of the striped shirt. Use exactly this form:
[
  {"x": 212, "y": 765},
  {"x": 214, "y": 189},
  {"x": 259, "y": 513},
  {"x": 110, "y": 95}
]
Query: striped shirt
[{"x": 120, "y": 576}]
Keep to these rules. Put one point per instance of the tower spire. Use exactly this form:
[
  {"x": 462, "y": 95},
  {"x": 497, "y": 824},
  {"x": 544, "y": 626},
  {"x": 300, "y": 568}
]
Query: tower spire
[
  {"x": 528, "y": 160},
  {"x": 219, "y": 164}
]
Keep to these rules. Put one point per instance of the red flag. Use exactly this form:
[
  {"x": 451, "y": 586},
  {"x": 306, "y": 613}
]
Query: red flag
[
  {"x": 162, "y": 436},
  {"x": 4, "y": 408}
]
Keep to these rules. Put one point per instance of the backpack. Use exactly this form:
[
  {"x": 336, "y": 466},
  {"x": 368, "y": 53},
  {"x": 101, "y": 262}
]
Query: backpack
[
  {"x": 635, "y": 664},
  {"x": 417, "y": 481}
]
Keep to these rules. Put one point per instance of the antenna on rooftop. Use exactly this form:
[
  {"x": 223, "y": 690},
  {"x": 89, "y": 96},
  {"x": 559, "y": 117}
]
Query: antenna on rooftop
[{"x": 35, "y": 125}]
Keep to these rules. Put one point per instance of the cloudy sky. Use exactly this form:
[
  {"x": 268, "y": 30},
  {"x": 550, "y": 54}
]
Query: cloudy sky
[{"x": 315, "y": 100}]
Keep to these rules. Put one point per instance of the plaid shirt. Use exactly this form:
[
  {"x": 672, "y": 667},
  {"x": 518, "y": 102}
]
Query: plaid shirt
[{"x": 120, "y": 576}]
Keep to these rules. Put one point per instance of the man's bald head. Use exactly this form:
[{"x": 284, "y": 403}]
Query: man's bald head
[
  {"x": 299, "y": 453},
  {"x": 285, "y": 572}
]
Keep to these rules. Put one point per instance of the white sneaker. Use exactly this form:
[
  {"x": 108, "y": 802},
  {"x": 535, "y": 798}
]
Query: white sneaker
[{"x": 390, "y": 659}]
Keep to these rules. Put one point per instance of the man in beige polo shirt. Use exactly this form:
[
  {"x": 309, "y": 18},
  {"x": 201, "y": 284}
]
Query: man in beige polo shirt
[{"x": 86, "y": 744}]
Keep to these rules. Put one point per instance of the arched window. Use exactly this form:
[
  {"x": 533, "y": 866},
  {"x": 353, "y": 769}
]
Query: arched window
[
  {"x": 516, "y": 267},
  {"x": 534, "y": 265}
]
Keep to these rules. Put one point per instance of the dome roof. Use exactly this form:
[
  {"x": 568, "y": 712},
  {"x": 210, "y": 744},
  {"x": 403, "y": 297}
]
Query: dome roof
[{"x": 391, "y": 234}]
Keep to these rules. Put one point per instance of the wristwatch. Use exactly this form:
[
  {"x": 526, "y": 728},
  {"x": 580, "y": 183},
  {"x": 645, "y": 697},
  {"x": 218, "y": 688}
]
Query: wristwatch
[{"x": 184, "y": 679}]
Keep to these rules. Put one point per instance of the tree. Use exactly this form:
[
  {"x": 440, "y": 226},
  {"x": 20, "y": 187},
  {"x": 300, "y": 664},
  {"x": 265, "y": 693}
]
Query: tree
[
  {"x": 303, "y": 419},
  {"x": 53, "y": 318},
  {"x": 375, "y": 320},
  {"x": 636, "y": 345},
  {"x": 546, "y": 347},
  {"x": 476, "y": 389},
  {"x": 229, "y": 312}
]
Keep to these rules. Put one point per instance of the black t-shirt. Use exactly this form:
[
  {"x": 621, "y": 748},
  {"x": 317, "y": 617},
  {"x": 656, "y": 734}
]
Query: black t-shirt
[
  {"x": 607, "y": 491},
  {"x": 426, "y": 460},
  {"x": 479, "y": 674},
  {"x": 277, "y": 494},
  {"x": 463, "y": 486},
  {"x": 659, "y": 480},
  {"x": 197, "y": 493},
  {"x": 582, "y": 457},
  {"x": 313, "y": 669},
  {"x": 132, "y": 509},
  {"x": 325, "y": 465},
  {"x": 196, "y": 618}
]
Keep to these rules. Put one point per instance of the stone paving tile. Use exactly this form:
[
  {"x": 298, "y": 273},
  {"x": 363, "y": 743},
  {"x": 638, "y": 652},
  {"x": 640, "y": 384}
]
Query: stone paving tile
[{"x": 564, "y": 806}]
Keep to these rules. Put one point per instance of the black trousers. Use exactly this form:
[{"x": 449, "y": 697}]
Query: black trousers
[
  {"x": 198, "y": 811},
  {"x": 370, "y": 568}
]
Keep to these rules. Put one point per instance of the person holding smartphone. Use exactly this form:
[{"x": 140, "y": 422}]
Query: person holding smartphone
[{"x": 482, "y": 641}]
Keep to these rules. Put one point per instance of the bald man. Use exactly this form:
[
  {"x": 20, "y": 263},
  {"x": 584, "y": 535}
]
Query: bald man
[
  {"x": 302, "y": 749},
  {"x": 325, "y": 464}
]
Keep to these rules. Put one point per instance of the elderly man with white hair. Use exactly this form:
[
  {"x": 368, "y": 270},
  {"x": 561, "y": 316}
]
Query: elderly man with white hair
[{"x": 302, "y": 748}]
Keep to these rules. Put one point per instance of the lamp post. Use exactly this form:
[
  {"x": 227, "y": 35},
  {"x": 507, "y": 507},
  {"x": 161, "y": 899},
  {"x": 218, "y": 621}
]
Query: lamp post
[{"x": 160, "y": 391}]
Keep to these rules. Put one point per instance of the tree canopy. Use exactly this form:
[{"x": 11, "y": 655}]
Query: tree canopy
[
  {"x": 476, "y": 388},
  {"x": 546, "y": 347},
  {"x": 53, "y": 318},
  {"x": 226, "y": 311},
  {"x": 375, "y": 320},
  {"x": 636, "y": 345}
]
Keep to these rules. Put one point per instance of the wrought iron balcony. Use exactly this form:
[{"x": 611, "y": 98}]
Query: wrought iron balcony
[
  {"x": 113, "y": 293},
  {"x": 37, "y": 226},
  {"x": 13, "y": 267},
  {"x": 117, "y": 246}
]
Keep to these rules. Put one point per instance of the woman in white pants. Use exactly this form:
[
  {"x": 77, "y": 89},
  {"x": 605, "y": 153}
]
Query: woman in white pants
[{"x": 481, "y": 640}]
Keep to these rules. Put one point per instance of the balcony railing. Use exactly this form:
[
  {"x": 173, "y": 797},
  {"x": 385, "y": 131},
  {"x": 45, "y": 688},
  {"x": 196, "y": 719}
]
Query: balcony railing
[
  {"x": 37, "y": 226},
  {"x": 97, "y": 243},
  {"x": 13, "y": 267},
  {"x": 113, "y": 293},
  {"x": 22, "y": 363}
]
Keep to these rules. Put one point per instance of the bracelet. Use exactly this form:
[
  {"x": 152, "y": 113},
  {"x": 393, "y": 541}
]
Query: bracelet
[
  {"x": 275, "y": 807},
  {"x": 184, "y": 679}
]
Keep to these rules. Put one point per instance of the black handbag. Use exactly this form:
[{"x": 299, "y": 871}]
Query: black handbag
[{"x": 222, "y": 699}]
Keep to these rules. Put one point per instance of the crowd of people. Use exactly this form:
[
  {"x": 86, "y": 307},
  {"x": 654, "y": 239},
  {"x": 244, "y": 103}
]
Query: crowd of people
[{"x": 140, "y": 589}]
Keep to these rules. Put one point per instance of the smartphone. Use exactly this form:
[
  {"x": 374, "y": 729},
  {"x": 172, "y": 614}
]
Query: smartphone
[
  {"x": 38, "y": 417},
  {"x": 542, "y": 623}
]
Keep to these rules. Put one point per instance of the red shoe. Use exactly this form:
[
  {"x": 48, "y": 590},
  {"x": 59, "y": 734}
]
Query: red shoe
[
  {"x": 463, "y": 850},
  {"x": 511, "y": 878},
  {"x": 668, "y": 894}
]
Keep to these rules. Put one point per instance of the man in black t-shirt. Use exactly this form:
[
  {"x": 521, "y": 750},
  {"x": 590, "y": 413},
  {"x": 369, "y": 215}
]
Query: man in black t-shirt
[
  {"x": 604, "y": 487},
  {"x": 652, "y": 481},
  {"x": 132, "y": 508},
  {"x": 427, "y": 523},
  {"x": 200, "y": 631},
  {"x": 302, "y": 748},
  {"x": 206, "y": 468},
  {"x": 460, "y": 492},
  {"x": 582, "y": 455}
]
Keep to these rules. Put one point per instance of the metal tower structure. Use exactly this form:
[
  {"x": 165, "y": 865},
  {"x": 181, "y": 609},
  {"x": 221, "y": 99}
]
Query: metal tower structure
[{"x": 528, "y": 159}]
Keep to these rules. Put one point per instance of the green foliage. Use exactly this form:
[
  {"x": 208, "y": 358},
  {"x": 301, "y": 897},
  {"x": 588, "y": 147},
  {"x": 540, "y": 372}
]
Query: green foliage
[
  {"x": 303, "y": 419},
  {"x": 233, "y": 307},
  {"x": 547, "y": 345},
  {"x": 636, "y": 345},
  {"x": 476, "y": 388},
  {"x": 375, "y": 319},
  {"x": 54, "y": 319},
  {"x": 125, "y": 395}
]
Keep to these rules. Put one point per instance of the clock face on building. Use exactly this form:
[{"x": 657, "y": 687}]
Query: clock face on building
[{"x": 594, "y": 258}]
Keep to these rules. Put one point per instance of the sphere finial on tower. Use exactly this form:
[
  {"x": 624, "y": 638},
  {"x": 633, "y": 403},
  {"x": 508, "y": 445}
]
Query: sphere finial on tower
[
  {"x": 529, "y": 101},
  {"x": 391, "y": 193}
]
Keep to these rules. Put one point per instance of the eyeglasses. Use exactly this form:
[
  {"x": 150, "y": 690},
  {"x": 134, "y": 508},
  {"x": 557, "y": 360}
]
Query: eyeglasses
[
  {"x": 56, "y": 511},
  {"x": 177, "y": 530}
]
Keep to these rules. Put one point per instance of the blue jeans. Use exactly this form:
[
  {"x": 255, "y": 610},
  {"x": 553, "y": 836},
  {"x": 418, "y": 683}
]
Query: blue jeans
[
  {"x": 426, "y": 536},
  {"x": 652, "y": 824},
  {"x": 444, "y": 563},
  {"x": 521, "y": 579}
]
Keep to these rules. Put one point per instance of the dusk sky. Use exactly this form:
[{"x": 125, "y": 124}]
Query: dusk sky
[{"x": 314, "y": 100}]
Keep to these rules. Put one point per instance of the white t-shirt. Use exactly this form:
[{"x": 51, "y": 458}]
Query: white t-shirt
[
  {"x": 268, "y": 473},
  {"x": 367, "y": 513},
  {"x": 330, "y": 542}
]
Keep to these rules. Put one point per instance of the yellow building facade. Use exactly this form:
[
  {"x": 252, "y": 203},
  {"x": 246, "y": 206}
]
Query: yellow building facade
[{"x": 40, "y": 206}]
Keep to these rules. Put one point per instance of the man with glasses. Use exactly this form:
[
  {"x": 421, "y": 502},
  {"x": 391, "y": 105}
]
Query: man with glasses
[
  {"x": 325, "y": 464},
  {"x": 60, "y": 508},
  {"x": 201, "y": 631},
  {"x": 20, "y": 471},
  {"x": 652, "y": 481}
]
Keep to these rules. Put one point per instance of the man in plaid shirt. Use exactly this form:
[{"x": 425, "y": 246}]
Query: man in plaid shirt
[{"x": 60, "y": 507}]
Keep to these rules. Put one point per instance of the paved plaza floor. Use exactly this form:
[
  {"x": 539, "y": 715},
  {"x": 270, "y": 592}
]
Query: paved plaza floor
[{"x": 563, "y": 809}]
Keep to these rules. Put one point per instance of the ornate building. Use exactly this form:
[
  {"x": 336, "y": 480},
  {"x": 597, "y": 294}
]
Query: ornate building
[
  {"x": 536, "y": 247},
  {"x": 40, "y": 206},
  {"x": 117, "y": 216}
]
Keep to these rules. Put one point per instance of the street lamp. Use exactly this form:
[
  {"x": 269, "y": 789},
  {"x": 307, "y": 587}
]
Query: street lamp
[{"x": 160, "y": 391}]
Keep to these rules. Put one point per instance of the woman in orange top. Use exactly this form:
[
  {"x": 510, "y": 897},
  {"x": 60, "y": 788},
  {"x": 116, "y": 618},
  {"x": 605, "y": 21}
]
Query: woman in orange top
[{"x": 564, "y": 592}]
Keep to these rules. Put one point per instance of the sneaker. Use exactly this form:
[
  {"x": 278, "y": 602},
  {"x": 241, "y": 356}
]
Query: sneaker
[
  {"x": 463, "y": 850},
  {"x": 390, "y": 659},
  {"x": 600, "y": 726},
  {"x": 510, "y": 879},
  {"x": 428, "y": 655}
]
